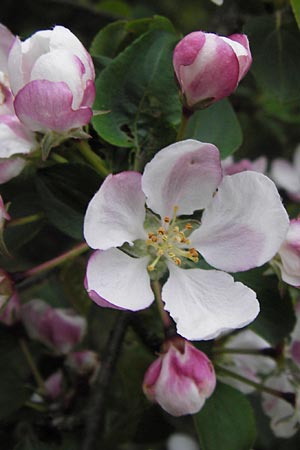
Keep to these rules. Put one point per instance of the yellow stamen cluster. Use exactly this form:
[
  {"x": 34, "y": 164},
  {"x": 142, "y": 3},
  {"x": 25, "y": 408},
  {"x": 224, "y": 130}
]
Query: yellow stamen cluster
[{"x": 170, "y": 241}]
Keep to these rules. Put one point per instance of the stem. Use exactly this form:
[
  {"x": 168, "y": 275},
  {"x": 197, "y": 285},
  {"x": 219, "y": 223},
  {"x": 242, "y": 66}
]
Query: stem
[
  {"x": 34, "y": 370},
  {"x": 95, "y": 160},
  {"x": 183, "y": 124},
  {"x": 166, "y": 319},
  {"x": 287, "y": 396},
  {"x": 58, "y": 158},
  {"x": 25, "y": 220},
  {"x": 58, "y": 260},
  {"x": 95, "y": 416}
]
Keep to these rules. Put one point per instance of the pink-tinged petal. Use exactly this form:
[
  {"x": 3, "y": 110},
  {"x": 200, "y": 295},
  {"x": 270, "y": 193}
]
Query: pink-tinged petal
[
  {"x": 185, "y": 174},
  {"x": 244, "y": 225},
  {"x": 14, "y": 63},
  {"x": 180, "y": 380},
  {"x": 285, "y": 176},
  {"x": 15, "y": 138},
  {"x": 187, "y": 50},
  {"x": 31, "y": 313},
  {"x": 62, "y": 38},
  {"x": 61, "y": 65},
  {"x": 201, "y": 80},
  {"x": 258, "y": 165},
  {"x": 242, "y": 51},
  {"x": 10, "y": 168},
  {"x": 289, "y": 253},
  {"x": 206, "y": 303},
  {"x": 89, "y": 94},
  {"x": 54, "y": 385},
  {"x": 6, "y": 42},
  {"x": 120, "y": 279},
  {"x": 283, "y": 415},
  {"x": 11, "y": 313},
  {"x": 116, "y": 213},
  {"x": 45, "y": 105},
  {"x": 61, "y": 329}
]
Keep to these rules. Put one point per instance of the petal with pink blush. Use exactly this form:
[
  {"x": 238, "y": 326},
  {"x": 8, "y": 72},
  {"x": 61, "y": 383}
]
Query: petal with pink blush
[
  {"x": 116, "y": 213},
  {"x": 185, "y": 174},
  {"x": 243, "y": 52},
  {"x": 206, "y": 303},
  {"x": 120, "y": 279},
  {"x": 42, "y": 105},
  {"x": 10, "y": 168},
  {"x": 244, "y": 225},
  {"x": 6, "y": 41}
]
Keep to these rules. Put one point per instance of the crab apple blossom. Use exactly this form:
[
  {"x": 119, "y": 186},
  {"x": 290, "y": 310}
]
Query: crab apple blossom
[
  {"x": 59, "y": 329},
  {"x": 286, "y": 175},
  {"x": 134, "y": 222},
  {"x": 83, "y": 362},
  {"x": 52, "y": 78},
  {"x": 6, "y": 42},
  {"x": 288, "y": 257},
  {"x": 253, "y": 367},
  {"x": 209, "y": 67},
  {"x": 181, "y": 379},
  {"x": 285, "y": 417}
]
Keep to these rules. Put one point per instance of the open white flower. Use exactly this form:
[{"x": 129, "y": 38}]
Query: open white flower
[{"x": 242, "y": 226}]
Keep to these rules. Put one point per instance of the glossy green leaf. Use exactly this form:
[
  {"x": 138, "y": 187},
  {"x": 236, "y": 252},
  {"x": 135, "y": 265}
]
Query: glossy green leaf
[
  {"x": 65, "y": 191},
  {"x": 296, "y": 10},
  {"x": 276, "y": 57},
  {"x": 226, "y": 422},
  {"x": 218, "y": 125},
  {"x": 139, "y": 90}
]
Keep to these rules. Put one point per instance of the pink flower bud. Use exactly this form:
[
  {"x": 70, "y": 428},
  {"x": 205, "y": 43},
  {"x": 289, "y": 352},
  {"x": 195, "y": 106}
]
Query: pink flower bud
[
  {"x": 9, "y": 300},
  {"x": 52, "y": 78},
  {"x": 54, "y": 385},
  {"x": 230, "y": 167},
  {"x": 83, "y": 362},
  {"x": 209, "y": 67},
  {"x": 60, "y": 329},
  {"x": 181, "y": 379}
]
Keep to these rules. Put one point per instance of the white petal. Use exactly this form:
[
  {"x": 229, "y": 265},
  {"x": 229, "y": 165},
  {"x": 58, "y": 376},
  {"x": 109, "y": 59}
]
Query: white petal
[
  {"x": 116, "y": 213},
  {"x": 244, "y": 225},
  {"x": 61, "y": 65},
  {"x": 285, "y": 176},
  {"x": 120, "y": 279},
  {"x": 184, "y": 174},
  {"x": 206, "y": 303}
]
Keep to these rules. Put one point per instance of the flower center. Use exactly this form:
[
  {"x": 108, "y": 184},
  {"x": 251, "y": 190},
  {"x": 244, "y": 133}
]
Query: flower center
[{"x": 170, "y": 241}]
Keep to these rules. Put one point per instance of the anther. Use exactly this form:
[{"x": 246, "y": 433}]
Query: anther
[
  {"x": 188, "y": 226},
  {"x": 167, "y": 219}
]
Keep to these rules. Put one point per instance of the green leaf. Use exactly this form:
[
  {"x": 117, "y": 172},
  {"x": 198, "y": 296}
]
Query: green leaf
[
  {"x": 276, "y": 57},
  {"x": 295, "y": 4},
  {"x": 65, "y": 190},
  {"x": 217, "y": 124},
  {"x": 117, "y": 35},
  {"x": 139, "y": 89},
  {"x": 276, "y": 319},
  {"x": 226, "y": 422}
]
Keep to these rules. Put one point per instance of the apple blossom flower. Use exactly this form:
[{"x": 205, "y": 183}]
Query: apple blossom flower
[
  {"x": 9, "y": 300},
  {"x": 181, "y": 379},
  {"x": 286, "y": 175},
  {"x": 230, "y": 167},
  {"x": 52, "y": 78},
  {"x": 253, "y": 367},
  {"x": 59, "y": 329},
  {"x": 242, "y": 226},
  {"x": 285, "y": 417},
  {"x": 209, "y": 67},
  {"x": 288, "y": 257}
]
